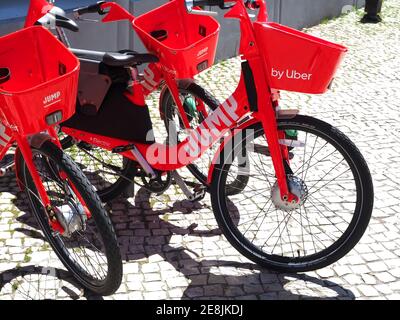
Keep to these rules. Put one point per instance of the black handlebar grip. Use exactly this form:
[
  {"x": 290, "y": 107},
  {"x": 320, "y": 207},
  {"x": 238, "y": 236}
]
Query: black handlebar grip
[
  {"x": 212, "y": 3},
  {"x": 93, "y": 8}
]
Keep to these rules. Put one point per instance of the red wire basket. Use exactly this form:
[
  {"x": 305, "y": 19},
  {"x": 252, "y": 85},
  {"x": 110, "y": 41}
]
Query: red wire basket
[
  {"x": 185, "y": 43},
  {"x": 297, "y": 61},
  {"x": 43, "y": 80}
]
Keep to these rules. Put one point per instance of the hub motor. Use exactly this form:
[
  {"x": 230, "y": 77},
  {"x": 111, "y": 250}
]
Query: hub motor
[
  {"x": 297, "y": 187},
  {"x": 71, "y": 217}
]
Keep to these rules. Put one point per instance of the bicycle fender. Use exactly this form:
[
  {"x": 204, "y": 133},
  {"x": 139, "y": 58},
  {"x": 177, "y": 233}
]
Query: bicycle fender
[
  {"x": 226, "y": 140},
  {"x": 36, "y": 141}
]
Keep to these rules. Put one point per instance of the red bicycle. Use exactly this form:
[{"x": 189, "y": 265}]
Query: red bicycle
[
  {"x": 38, "y": 85},
  {"x": 107, "y": 80},
  {"x": 308, "y": 194}
]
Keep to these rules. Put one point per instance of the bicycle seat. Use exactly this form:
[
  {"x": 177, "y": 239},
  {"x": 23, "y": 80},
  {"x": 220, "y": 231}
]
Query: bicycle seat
[{"x": 124, "y": 58}]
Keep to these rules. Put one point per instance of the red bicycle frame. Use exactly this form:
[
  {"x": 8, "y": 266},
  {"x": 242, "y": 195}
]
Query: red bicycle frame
[{"x": 167, "y": 158}]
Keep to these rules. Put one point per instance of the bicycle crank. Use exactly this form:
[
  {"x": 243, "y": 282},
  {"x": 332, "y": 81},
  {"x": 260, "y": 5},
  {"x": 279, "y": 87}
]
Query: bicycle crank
[{"x": 157, "y": 185}]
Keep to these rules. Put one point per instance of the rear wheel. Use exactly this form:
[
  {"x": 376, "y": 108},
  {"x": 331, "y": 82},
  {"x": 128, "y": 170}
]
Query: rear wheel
[
  {"x": 88, "y": 247},
  {"x": 330, "y": 177}
]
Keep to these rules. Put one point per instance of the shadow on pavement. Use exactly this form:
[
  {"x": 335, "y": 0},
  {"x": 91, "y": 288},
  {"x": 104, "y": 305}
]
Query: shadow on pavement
[
  {"x": 142, "y": 233},
  {"x": 205, "y": 283},
  {"x": 41, "y": 283}
]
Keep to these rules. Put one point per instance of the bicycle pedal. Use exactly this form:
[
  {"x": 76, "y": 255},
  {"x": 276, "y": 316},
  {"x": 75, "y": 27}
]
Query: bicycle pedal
[{"x": 198, "y": 193}]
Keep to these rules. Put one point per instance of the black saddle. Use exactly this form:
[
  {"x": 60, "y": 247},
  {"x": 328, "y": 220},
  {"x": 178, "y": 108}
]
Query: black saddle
[{"x": 124, "y": 58}]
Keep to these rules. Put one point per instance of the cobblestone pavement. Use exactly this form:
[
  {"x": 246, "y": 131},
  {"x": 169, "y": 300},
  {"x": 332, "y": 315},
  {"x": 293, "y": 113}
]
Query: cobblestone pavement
[{"x": 173, "y": 249}]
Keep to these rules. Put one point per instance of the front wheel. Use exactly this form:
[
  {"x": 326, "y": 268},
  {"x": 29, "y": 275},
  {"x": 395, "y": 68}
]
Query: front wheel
[
  {"x": 329, "y": 176},
  {"x": 87, "y": 245}
]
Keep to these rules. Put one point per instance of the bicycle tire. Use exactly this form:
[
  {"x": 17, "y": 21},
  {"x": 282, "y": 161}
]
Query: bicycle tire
[
  {"x": 357, "y": 226},
  {"x": 99, "y": 215}
]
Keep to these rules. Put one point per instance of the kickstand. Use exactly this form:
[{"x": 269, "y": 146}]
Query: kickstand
[{"x": 198, "y": 193}]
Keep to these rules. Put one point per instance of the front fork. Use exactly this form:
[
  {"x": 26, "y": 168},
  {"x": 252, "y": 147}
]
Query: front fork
[
  {"x": 27, "y": 154},
  {"x": 279, "y": 154},
  {"x": 54, "y": 135}
]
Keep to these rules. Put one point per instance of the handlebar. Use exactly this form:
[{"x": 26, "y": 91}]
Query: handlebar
[
  {"x": 221, "y": 3},
  {"x": 212, "y": 3},
  {"x": 111, "y": 11},
  {"x": 93, "y": 8}
]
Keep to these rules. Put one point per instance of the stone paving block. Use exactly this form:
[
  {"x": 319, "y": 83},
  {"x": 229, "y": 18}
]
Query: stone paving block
[
  {"x": 216, "y": 279},
  {"x": 385, "y": 277},
  {"x": 134, "y": 295},
  {"x": 213, "y": 290},
  {"x": 194, "y": 292},
  {"x": 176, "y": 293},
  {"x": 353, "y": 279},
  {"x": 135, "y": 277},
  {"x": 368, "y": 291},
  {"x": 384, "y": 289},
  {"x": 369, "y": 279},
  {"x": 134, "y": 286},
  {"x": 150, "y": 267},
  {"x": 154, "y": 286},
  {"x": 177, "y": 282},
  {"x": 152, "y": 277},
  {"x": 360, "y": 269},
  {"x": 268, "y": 278},
  {"x": 157, "y": 295},
  {"x": 342, "y": 270},
  {"x": 253, "y": 288},
  {"x": 233, "y": 291},
  {"x": 370, "y": 257},
  {"x": 378, "y": 266},
  {"x": 326, "y": 272}
]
